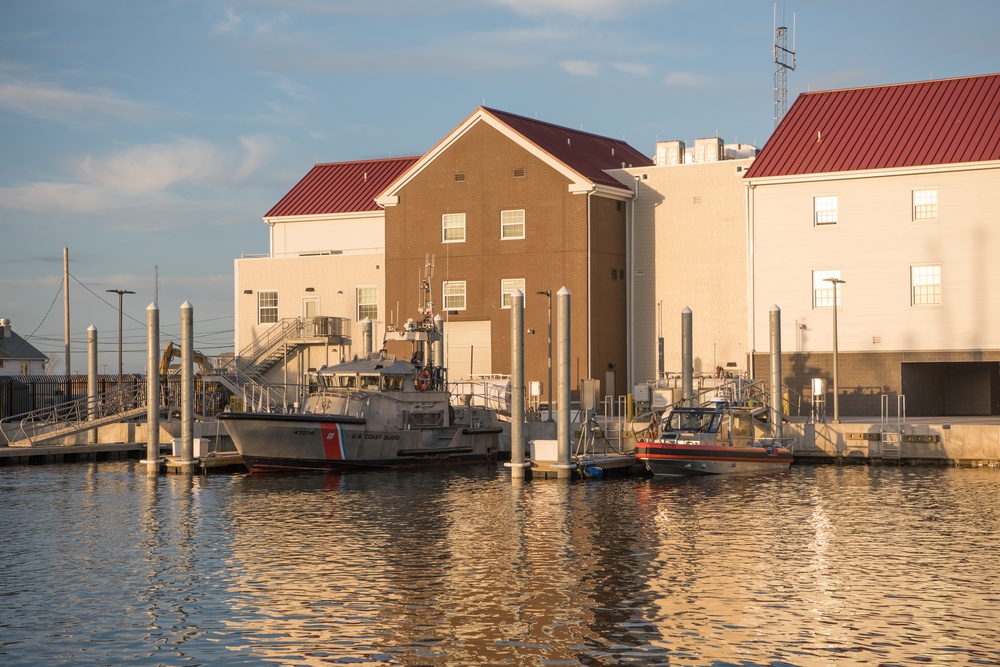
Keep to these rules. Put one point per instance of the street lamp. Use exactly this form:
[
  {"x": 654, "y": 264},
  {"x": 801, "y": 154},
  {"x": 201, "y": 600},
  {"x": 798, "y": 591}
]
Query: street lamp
[
  {"x": 548, "y": 293},
  {"x": 119, "y": 292},
  {"x": 836, "y": 359}
]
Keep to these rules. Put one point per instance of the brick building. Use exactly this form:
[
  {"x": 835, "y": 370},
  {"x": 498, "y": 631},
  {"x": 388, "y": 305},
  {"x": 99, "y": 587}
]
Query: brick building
[{"x": 506, "y": 202}]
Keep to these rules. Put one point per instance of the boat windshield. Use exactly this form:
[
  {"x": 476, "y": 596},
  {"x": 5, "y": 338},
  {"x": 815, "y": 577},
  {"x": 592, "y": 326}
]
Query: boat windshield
[
  {"x": 370, "y": 382},
  {"x": 698, "y": 421}
]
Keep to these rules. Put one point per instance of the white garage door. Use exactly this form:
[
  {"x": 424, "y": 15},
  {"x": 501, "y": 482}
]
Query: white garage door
[{"x": 468, "y": 349}]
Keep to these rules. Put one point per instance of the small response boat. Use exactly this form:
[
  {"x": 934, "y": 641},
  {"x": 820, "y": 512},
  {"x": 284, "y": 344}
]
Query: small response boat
[{"x": 711, "y": 439}]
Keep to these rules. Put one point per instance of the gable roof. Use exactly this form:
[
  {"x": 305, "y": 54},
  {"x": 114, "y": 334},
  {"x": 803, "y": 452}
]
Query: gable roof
[
  {"x": 582, "y": 157},
  {"x": 14, "y": 347},
  {"x": 945, "y": 121},
  {"x": 590, "y": 155},
  {"x": 341, "y": 187}
]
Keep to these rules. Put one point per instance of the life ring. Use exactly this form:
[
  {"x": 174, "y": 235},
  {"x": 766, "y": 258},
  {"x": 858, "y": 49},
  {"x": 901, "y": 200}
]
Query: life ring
[{"x": 424, "y": 380}]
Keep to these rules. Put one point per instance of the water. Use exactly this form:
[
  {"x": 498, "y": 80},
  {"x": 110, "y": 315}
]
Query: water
[{"x": 818, "y": 566}]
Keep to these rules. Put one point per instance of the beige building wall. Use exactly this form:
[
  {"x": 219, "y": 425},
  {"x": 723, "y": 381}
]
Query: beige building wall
[
  {"x": 354, "y": 232},
  {"x": 333, "y": 279},
  {"x": 689, "y": 251},
  {"x": 874, "y": 245}
]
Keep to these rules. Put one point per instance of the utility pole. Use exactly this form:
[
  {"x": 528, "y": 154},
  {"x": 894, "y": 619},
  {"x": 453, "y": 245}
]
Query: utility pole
[{"x": 119, "y": 292}]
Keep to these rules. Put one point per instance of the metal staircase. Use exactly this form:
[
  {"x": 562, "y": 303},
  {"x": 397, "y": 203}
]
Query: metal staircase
[{"x": 244, "y": 374}]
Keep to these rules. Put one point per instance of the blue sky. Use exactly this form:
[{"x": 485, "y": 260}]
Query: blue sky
[{"x": 157, "y": 133}]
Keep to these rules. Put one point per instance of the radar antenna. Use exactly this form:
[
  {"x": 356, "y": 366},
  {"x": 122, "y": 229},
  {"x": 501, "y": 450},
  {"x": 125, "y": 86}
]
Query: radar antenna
[{"x": 428, "y": 299}]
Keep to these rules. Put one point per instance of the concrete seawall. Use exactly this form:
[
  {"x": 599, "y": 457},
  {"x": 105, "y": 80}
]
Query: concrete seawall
[{"x": 962, "y": 442}]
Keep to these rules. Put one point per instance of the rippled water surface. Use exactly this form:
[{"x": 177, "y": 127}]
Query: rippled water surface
[{"x": 818, "y": 566}]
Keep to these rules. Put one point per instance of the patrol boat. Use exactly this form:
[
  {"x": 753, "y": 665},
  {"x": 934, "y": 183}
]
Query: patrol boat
[{"x": 373, "y": 412}]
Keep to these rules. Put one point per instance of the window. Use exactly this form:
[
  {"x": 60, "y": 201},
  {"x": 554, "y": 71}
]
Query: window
[
  {"x": 452, "y": 227},
  {"x": 507, "y": 286},
  {"x": 925, "y": 204},
  {"x": 267, "y": 307},
  {"x": 823, "y": 289},
  {"x": 367, "y": 303},
  {"x": 825, "y": 210},
  {"x": 925, "y": 285},
  {"x": 512, "y": 224},
  {"x": 453, "y": 295}
]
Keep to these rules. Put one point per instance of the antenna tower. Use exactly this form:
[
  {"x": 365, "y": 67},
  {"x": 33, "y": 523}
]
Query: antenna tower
[
  {"x": 784, "y": 61},
  {"x": 428, "y": 299}
]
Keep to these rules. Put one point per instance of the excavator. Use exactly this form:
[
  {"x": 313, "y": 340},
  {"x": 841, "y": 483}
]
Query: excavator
[{"x": 170, "y": 351}]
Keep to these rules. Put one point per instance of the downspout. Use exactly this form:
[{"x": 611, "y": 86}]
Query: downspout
[
  {"x": 630, "y": 286},
  {"x": 590, "y": 294},
  {"x": 751, "y": 333}
]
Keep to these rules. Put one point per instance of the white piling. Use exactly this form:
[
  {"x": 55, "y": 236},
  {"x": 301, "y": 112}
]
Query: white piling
[
  {"x": 152, "y": 460},
  {"x": 92, "y": 379},
  {"x": 187, "y": 385},
  {"x": 438, "y": 346},
  {"x": 366, "y": 336},
  {"x": 517, "y": 443},
  {"x": 687, "y": 356},
  {"x": 776, "y": 412},
  {"x": 563, "y": 428}
]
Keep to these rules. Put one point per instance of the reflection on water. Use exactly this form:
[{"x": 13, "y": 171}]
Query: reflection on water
[{"x": 817, "y": 566}]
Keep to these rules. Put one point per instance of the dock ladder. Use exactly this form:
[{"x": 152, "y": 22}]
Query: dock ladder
[{"x": 891, "y": 435}]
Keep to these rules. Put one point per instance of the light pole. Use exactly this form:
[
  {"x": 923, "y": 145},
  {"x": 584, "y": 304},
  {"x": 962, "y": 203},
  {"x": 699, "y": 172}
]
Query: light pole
[
  {"x": 119, "y": 292},
  {"x": 548, "y": 293},
  {"x": 836, "y": 359}
]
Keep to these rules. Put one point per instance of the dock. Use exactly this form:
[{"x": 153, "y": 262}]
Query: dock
[{"x": 44, "y": 454}]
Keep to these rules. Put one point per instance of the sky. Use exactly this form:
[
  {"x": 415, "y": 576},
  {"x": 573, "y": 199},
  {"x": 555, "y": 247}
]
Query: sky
[{"x": 151, "y": 137}]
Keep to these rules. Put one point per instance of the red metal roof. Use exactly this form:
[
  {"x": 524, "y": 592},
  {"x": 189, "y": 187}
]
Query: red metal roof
[
  {"x": 341, "y": 187},
  {"x": 946, "y": 121},
  {"x": 590, "y": 155}
]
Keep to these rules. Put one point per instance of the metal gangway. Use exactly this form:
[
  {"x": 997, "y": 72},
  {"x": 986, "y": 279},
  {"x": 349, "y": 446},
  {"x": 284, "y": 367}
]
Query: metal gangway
[{"x": 53, "y": 423}]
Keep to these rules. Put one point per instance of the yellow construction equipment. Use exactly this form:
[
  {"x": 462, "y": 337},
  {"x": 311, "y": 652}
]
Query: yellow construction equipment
[{"x": 169, "y": 352}]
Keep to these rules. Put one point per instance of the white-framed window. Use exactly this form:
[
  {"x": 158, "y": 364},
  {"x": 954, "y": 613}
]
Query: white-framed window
[
  {"x": 507, "y": 287},
  {"x": 453, "y": 228},
  {"x": 512, "y": 224},
  {"x": 267, "y": 307},
  {"x": 367, "y": 303},
  {"x": 925, "y": 204},
  {"x": 453, "y": 294},
  {"x": 825, "y": 210},
  {"x": 822, "y": 288},
  {"x": 925, "y": 285}
]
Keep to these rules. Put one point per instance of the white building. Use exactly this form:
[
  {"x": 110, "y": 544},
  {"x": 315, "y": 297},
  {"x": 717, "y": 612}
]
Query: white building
[
  {"x": 18, "y": 356},
  {"x": 303, "y": 302},
  {"x": 888, "y": 189}
]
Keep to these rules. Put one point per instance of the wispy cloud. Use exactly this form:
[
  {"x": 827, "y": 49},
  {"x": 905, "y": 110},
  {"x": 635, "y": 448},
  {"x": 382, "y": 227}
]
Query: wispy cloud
[
  {"x": 42, "y": 100},
  {"x": 585, "y": 9},
  {"x": 581, "y": 67},
  {"x": 141, "y": 173},
  {"x": 232, "y": 23}
]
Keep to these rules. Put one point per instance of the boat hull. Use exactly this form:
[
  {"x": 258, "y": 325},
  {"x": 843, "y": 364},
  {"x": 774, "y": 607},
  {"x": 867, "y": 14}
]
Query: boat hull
[
  {"x": 685, "y": 460},
  {"x": 274, "y": 442}
]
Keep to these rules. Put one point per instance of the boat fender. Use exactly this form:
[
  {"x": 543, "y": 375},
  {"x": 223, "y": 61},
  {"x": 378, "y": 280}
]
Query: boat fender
[
  {"x": 423, "y": 380},
  {"x": 594, "y": 471}
]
